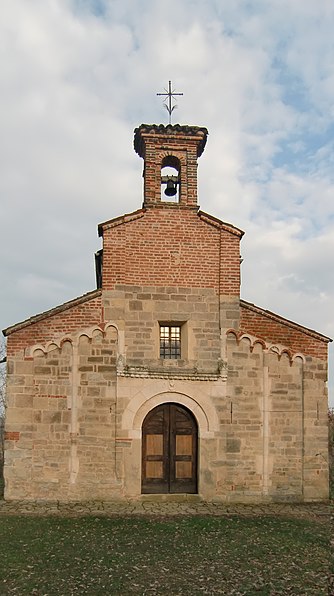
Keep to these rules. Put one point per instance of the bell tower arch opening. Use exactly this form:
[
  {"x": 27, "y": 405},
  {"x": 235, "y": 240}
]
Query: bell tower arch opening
[{"x": 170, "y": 179}]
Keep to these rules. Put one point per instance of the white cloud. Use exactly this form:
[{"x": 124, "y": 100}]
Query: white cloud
[{"x": 76, "y": 76}]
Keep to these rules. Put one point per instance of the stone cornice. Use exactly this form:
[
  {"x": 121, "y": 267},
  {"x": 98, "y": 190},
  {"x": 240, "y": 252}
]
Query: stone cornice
[
  {"x": 198, "y": 133},
  {"x": 187, "y": 375}
]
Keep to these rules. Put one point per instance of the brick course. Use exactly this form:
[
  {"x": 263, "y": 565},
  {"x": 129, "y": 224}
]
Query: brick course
[{"x": 12, "y": 436}]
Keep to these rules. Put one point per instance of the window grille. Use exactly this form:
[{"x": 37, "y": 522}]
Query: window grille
[{"x": 170, "y": 341}]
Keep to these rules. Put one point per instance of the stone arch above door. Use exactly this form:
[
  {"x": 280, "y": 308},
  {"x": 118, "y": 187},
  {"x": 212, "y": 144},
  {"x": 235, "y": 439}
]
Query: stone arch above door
[{"x": 140, "y": 406}]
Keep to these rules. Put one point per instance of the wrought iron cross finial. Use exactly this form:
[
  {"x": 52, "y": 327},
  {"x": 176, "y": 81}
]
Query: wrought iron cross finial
[{"x": 169, "y": 95}]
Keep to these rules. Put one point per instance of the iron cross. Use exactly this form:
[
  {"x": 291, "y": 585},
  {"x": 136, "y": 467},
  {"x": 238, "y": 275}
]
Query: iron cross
[{"x": 169, "y": 95}]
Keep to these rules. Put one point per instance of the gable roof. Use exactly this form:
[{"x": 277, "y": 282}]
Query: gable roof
[
  {"x": 206, "y": 217},
  {"x": 214, "y": 221},
  {"x": 120, "y": 219},
  {"x": 284, "y": 321},
  {"x": 52, "y": 311}
]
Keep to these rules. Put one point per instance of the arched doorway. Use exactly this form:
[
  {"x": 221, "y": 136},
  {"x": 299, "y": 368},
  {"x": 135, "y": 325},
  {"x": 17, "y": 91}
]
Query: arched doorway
[{"x": 169, "y": 450}]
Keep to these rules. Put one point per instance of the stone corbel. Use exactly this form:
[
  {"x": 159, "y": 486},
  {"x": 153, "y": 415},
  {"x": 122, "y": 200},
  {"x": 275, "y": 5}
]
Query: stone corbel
[
  {"x": 120, "y": 363},
  {"x": 222, "y": 368}
]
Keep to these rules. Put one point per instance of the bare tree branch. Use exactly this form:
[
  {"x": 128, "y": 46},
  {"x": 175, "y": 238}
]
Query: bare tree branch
[
  {"x": 2, "y": 376},
  {"x": 2, "y": 406}
]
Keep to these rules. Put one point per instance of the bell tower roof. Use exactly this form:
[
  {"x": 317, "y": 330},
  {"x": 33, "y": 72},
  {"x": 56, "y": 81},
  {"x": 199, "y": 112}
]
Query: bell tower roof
[
  {"x": 177, "y": 130},
  {"x": 175, "y": 148}
]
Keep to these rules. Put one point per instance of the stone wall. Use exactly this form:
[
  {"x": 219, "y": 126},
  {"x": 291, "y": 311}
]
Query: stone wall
[
  {"x": 73, "y": 429},
  {"x": 60, "y": 424},
  {"x": 139, "y": 310},
  {"x": 275, "y": 433}
]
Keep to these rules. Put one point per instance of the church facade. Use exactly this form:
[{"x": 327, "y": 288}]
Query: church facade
[{"x": 162, "y": 380}]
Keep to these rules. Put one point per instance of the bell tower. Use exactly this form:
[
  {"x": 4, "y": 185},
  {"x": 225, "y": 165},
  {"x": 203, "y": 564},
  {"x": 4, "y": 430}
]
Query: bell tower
[{"x": 170, "y": 156}]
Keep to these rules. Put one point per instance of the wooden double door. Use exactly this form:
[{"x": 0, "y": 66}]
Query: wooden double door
[{"x": 169, "y": 450}]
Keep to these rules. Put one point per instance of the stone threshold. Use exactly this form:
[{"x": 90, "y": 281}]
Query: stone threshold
[{"x": 171, "y": 498}]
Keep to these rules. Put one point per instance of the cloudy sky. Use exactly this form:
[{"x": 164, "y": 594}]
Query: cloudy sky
[{"x": 77, "y": 76}]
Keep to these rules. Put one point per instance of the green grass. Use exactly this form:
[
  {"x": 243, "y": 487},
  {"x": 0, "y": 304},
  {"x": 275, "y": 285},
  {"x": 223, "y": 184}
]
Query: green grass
[{"x": 48, "y": 556}]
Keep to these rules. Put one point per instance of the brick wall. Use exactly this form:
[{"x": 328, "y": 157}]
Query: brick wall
[
  {"x": 68, "y": 318},
  {"x": 269, "y": 327},
  {"x": 171, "y": 246}
]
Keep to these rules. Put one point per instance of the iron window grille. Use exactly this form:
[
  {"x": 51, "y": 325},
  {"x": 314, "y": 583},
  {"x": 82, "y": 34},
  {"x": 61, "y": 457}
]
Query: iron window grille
[{"x": 170, "y": 341}]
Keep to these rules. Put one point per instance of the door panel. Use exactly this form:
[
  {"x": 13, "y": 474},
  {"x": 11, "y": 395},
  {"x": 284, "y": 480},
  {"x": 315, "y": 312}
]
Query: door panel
[
  {"x": 183, "y": 451},
  {"x": 155, "y": 452},
  {"x": 154, "y": 469},
  {"x": 183, "y": 444},
  {"x": 169, "y": 450},
  {"x": 183, "y": 469},
  {"x": 154, "y": 465},
  {"x": 154, "y": 444}
]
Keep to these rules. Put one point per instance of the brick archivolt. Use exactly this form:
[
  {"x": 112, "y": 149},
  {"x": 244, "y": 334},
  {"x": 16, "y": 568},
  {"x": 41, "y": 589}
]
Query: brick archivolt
[{"x": 266, "y": 346}]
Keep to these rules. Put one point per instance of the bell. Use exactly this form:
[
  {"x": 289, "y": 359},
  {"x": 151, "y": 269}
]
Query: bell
[{"x": 170, "y": 188}]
